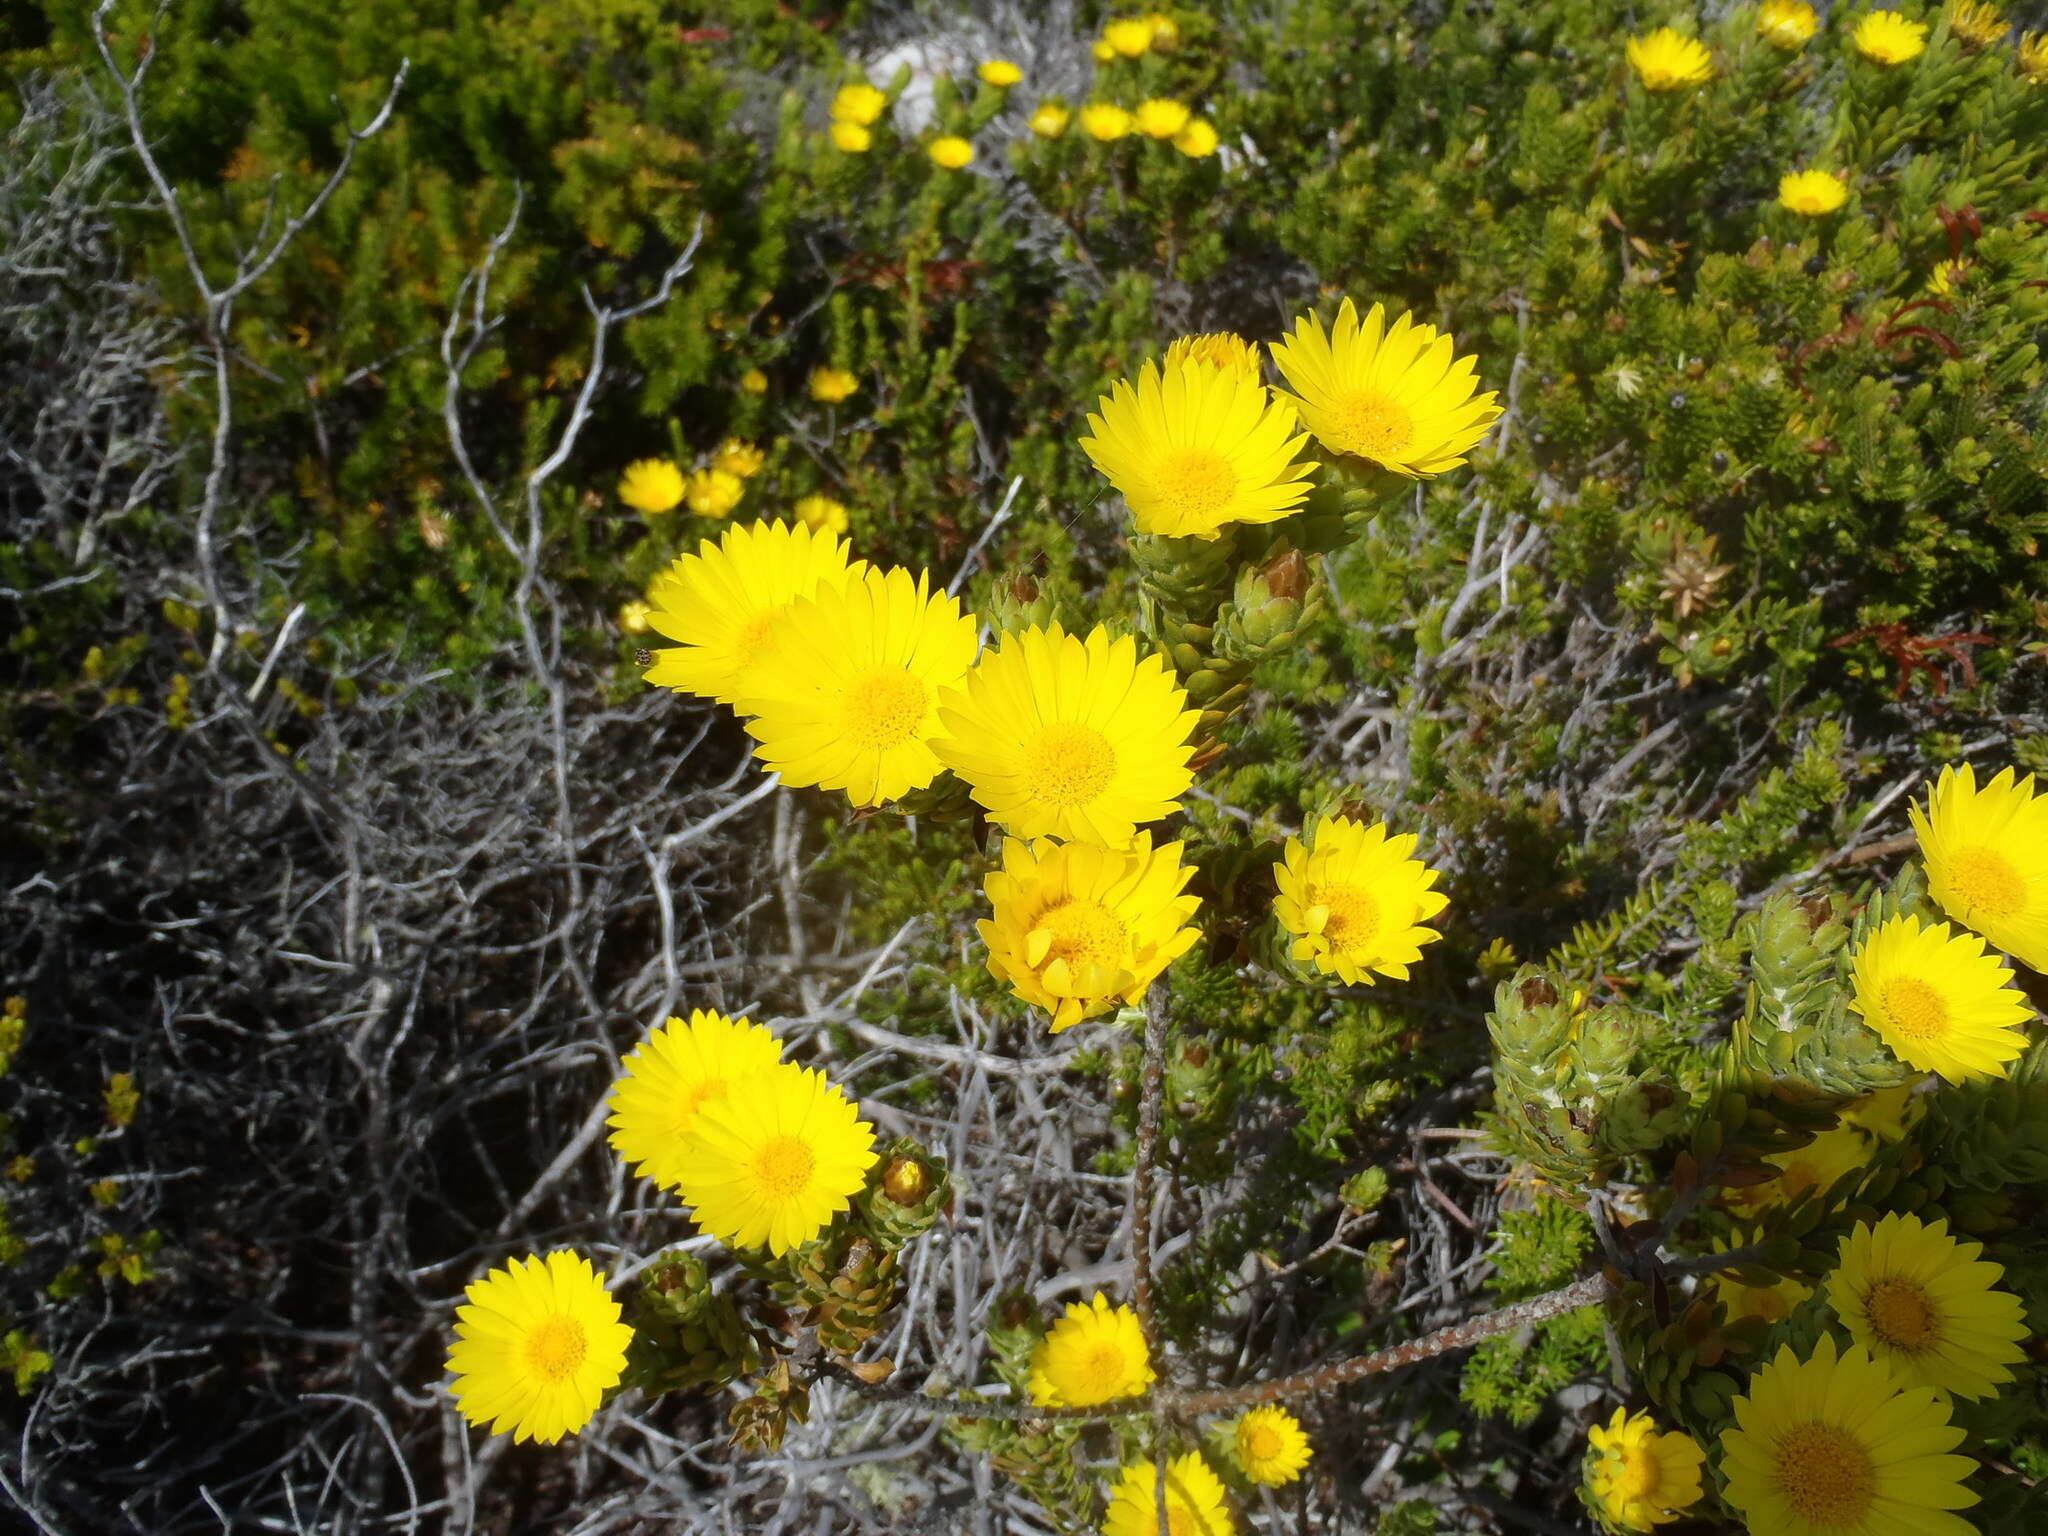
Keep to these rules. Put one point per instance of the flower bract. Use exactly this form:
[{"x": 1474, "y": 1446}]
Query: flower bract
[
  {"x": 536, "y": 1348},
  {"x": 1928, "y": 1306},
  {"x": 669, "y": 1076},
  {"x": 775, "y": 1158},
  {"x": 1094, "y": 1354},
  {"x": 1938, "y": 1000},
  {"x": 1355, "y": 900}
]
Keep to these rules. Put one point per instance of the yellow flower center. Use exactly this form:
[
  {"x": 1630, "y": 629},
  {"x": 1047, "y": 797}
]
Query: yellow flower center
[
  {"x": 1261, "y": 1442},
  {"x": 1641, "y": 1472},
  {"x": 1986, "y": 884},
  {"x": 556, "y": 1348},
  {"x": 1102, "y": 1369},
  {"x": 1902, "y": 1315},
  {"x": 782, "y": 1168},
  {"x": 1069, "y": 764},
  {"x": 1195, "y": 482},
  {"x": 1371, "y": 423},
  {"x": 1826, "y": 1475},
  {"x": 1354, "y": 919},
  {"x": 1081, "y": 933},
  {"x": 1917, "y": 1010},
  {"x": 884, "y": 709}
]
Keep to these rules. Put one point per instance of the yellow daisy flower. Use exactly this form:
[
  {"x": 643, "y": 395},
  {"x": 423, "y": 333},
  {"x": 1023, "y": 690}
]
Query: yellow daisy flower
[
  {"x": 859, "y": 103},
  {"x": 2031, "y": 58},
  {"x": 1094, "y": 1354},
  {"x": 1977, "y": 24},
  {"x": 848, "y": 698},
  {"x": 1947, "y": 277},
  {"x": 1103, "y": 52},
  {"x": 1786, "y": 24},
  {"x": 831, "y": 385},
  {"x": 1987, "y": 858},
  {"x": 1165, "y": 30},
  {"x": 952, "y": 152},
  {"x": 1771, "y": 1303},
  {"x": 1078, "y": 928},
  {"x": 1669, "y": 61},
  {"x": 754, "y": 382},
  {"x": 669, "y": 1076},
  {"x": 1834, "y": 1445},
  {"x": 1161, "y": 117},
  {"x": 1270, "y": 1446},
  {"x": 1927, "y": 1306},
  {"x": 1393, "y": 395},
  {"x": 714, "y": 492},
  {"x": 1355, "y": 900},
  {"x": 1888, "y": 1113},
  {"x": 651, "y": 485},
  {"x": 1818, "y": 1166},
  {"x": 1198, "y": 140},
  {"x": 775, "y": 1158},
  {"x": 537, "y": 1347},
  {"x": 1062, "y": 737},
  {"x": 1640, "y": 1478},
  {"x": 1000, "y": 73},
  {"x": 720, "y": 603},
  {"x": 1195, "y": 449},
  {"x": 1219, "y": 349},
  {"x": 1887, "y": 38},
  {"x": 1130, "y": 36},
  {"x": 1939, "y": 1000},
  {"x": 1194, "y": 1500},
  {"x": 1050, "y": 120},
  {"x": 1105, "y": 121},
  {"x": 821, "y": 514},
  {"x": 851, "y": 138},
  {"x": 1812, "y": 193},
  {"x": 739, "y": 458}
]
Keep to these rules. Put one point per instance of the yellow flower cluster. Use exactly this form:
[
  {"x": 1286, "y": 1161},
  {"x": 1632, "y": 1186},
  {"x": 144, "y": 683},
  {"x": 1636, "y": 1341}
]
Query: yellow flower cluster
[
  {"x": 854, "y": 112},
  {"x": 1131, "y": 37},
  {"x": 1158, "y": 117},
  {"x": 712, "y": 490},
  {"x": 761, "y": 1150}
]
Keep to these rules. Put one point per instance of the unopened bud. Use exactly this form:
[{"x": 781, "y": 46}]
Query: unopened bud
[
  {"x": 906, "y": 1180},
  {"x": 1023, "y": 587},
  {"x": 1018, "y": 1312},
  {"x": 1287, "y": 575}
]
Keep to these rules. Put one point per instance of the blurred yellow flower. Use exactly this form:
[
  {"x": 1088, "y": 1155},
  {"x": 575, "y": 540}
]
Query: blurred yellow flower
[
  {"x": 1786, "y": 24},
  {"x": 1130, "y": 36},
  {"x": 1000, "y": 73},
  {"x": 1197, "y": 141},
  {"x": 651, "y": 485},
  {"x": 1947, "y": 277},
  {"x": 1887, "y": 38},
  {"x": 1978, "y": 24},
  {"x": 1165, "y": 30},
  {"x": 1769, "y": 1303},
  {"x": 633, "y": 616},
  {"x": 821, "y": 514},
  {"x": 1105, "y": 121},
  {"x": 754, "y": 382},
  {"x": 951, "y": 151},
  {"x": 1102, "y": 51},
  {"x": 1162, "y": 117},
  {"x": 1812, "y": 193},
  {"x": 832, "y": 385},
  {"x": 1219, "y": 349},
  {"x": 860, "y": 103},
  {"x": 851, "y": 138},
  {"x": 2032, "y": 58},
  {"x": 1050, "y": 120},
  {"x": 714, "y": 492},
  {"x": 1668, "y": 61},
  {"x": 738, "y": 458}
]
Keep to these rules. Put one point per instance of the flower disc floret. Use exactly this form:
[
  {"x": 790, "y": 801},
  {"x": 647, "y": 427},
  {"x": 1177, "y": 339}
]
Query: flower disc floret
[
  {"x": 651, "y": 486},
  {"x": 1195, "y": 449},
  {"x": 1078, "y": 928},
  {"x": 720, "y": 604},
  {"x": 1393, "y": 394},
  {"x": 537, "y": 1347},
  {"x": 1270, "y": 1446},
  {"x": 848, "y": 696},
  {"x": 1641, "y": 1478},
  {"x": 1835, "y": 1445},
  {"x": 1938, "y": 1000},
  {"x": 1928, "y": 1306},
  {"x": 1194, "y": 1500},
  {"x": 672, "y": 1074},
  {"x": 1094, "y": 1354},
  {"x": 1812, "y": 193},
  {"x": 1668, "y": 60},
  {"x": 1063, "y": 737},
  {"x": 1986, "y": 852},
  {"x": 775, "y": 1158},
  {"x": 1887, "y": 38},
  {"x": 1355, "y": 899}
]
